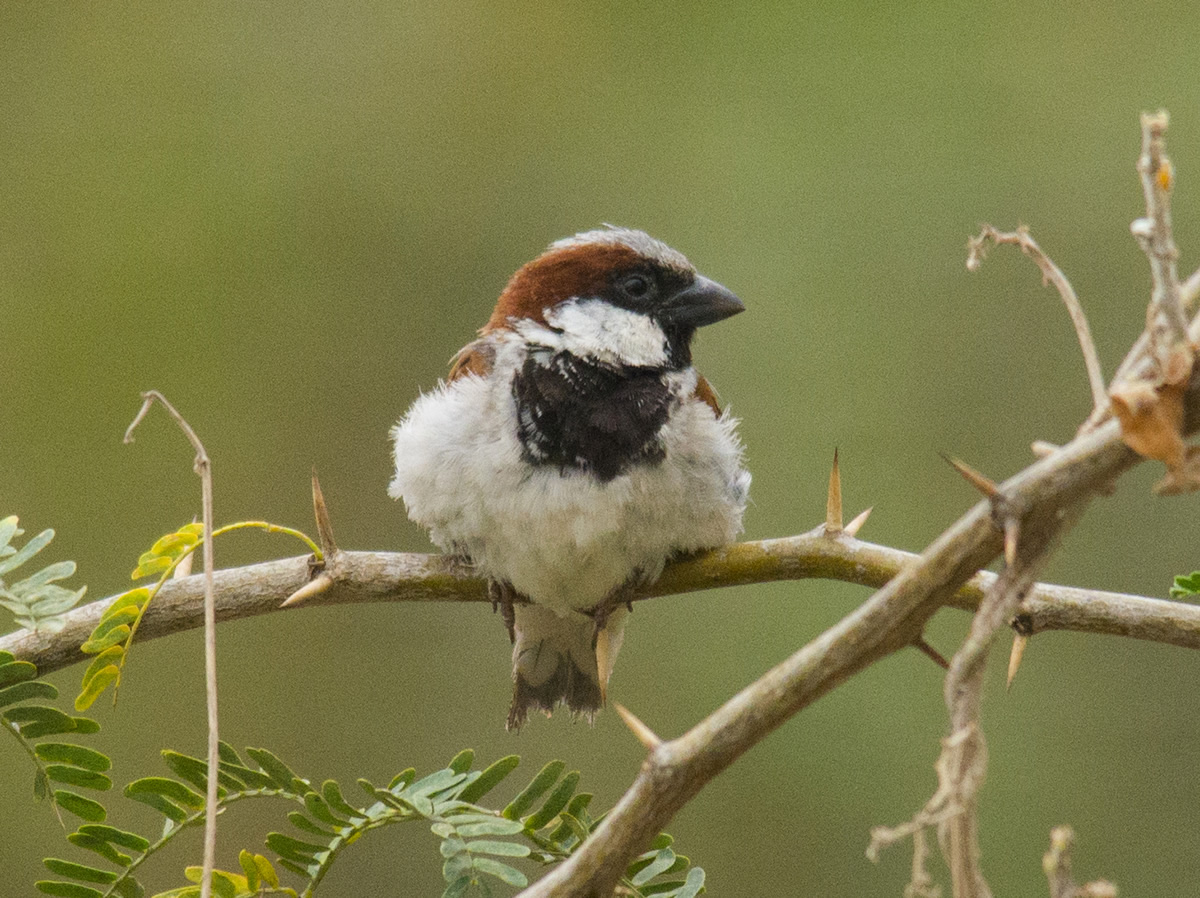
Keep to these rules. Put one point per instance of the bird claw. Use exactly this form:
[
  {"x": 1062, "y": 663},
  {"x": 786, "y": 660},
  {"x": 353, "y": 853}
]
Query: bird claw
[{"x": 501, "y": 596}]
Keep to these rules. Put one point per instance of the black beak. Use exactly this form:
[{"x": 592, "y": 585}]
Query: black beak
[{"x": 702, "y": 302}]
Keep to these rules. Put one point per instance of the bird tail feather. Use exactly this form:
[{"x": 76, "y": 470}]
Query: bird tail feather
[{"x": 554, "y": 662}]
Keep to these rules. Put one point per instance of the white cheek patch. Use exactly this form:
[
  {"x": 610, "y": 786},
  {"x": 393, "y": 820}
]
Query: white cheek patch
[{"x": 592, "y": 328}]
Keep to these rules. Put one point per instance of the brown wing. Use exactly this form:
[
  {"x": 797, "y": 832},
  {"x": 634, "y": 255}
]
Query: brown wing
[
  {"x": 707, "y": 395},
  {"x": 474, "y": 358}
]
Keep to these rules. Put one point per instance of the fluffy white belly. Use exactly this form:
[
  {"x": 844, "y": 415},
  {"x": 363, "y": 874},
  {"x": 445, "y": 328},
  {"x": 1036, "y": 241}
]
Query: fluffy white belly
[{"x": 564, "y": 539}]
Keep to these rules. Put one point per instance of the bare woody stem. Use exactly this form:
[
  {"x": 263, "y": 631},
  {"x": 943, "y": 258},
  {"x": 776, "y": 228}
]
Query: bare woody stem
[
  {"x": 1051, "y": 274},
  {"x": 203, "y": 467}
]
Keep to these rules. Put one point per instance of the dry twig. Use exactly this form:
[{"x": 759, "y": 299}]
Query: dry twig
[
  {"x": 1051, "y": 274},
  {"x": 203, "y": 467}
]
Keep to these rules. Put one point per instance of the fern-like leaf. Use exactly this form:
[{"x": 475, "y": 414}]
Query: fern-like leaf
[
  {"x": 37, "y": 602},
  {"x": 59, "y": 767},
  {"x": 110, "y": 641}
]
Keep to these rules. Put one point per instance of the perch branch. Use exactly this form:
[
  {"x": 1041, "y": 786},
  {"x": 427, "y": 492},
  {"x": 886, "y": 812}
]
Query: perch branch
[{"x": 411, "y": 577}]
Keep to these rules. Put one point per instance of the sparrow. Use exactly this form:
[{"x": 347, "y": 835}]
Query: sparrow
[{"x": 574, "y": 450}]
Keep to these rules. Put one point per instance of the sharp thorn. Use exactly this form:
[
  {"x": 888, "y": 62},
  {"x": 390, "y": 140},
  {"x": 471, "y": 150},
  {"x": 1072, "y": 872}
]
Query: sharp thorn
[
  {"x": 1012, "y": 532},
  {"x": 833, "y": 504},
  {"x": 184, "y": 568},
  {"x": 644, "y": 734},
  {"x": 973, "y": 477},
  {"x": 313, "y": 587},
  {"x": 931, "y": 652},
  {"x": 1020, "y": 640},
  {"x": 854, "y": 526},
  {"x": 1042, "y": 448},
  {"x": 324, "y": 526}
]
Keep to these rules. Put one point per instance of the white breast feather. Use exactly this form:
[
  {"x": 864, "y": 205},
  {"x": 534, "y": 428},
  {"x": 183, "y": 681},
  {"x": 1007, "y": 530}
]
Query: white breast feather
[{"x": 564, "y": 540}]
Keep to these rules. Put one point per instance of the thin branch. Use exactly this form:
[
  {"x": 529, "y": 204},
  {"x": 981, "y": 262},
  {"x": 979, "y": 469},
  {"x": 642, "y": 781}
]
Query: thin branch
[
  {"x": 203, "y": 467},
  {"x": 1056, "y": 863},
  {"x": 1165, "y": 319},
  {"x": 1052, "y": 274}
]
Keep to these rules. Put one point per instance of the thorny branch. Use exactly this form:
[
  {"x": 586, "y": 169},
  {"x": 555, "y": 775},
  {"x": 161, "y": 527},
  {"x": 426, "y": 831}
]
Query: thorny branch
[{"x": 411, "y": 577}]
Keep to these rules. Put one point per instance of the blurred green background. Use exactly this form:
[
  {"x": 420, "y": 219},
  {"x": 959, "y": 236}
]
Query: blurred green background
[{"x": 288, "y": 216}]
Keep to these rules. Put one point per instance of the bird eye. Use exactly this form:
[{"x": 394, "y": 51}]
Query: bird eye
[{"x": 636, "y": 286}]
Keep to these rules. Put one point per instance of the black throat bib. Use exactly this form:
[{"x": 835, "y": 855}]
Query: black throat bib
[{"x": 582, "y": 415}]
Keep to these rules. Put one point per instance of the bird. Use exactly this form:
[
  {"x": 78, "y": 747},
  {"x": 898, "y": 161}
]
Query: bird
[{"x": 573, "y": 450}]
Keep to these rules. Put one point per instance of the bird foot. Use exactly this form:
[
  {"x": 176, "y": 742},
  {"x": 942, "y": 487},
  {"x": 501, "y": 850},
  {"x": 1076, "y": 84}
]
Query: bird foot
[{"x": 502, "y": 596}]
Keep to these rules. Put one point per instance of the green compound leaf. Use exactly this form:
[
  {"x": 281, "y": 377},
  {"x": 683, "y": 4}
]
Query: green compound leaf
[{"x": 541, "y": 783}]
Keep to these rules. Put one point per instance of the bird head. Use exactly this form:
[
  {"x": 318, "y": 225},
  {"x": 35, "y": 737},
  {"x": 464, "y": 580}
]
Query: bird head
[{"x": 616, "y": 296}]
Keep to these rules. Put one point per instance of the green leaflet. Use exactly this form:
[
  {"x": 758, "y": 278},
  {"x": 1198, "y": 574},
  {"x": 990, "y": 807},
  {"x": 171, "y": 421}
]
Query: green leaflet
[
  {"x": 501, "y": 871},
  {"x": 66, "y": 753},
  {"x": 491, "y": 777},
  {"x": 541, "y": 783},
  {"x": 115, "y": 836},
  {"x": 462, "y": 761},
  {"x": 555, "y": 803},
  {"x": 21, "y": 692},
  {"x": 66, "y": 889},
  {"x": 16, "y": 672},
  {"x": 503, "y": 849},
  {"x": 78, "y": 871}
]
